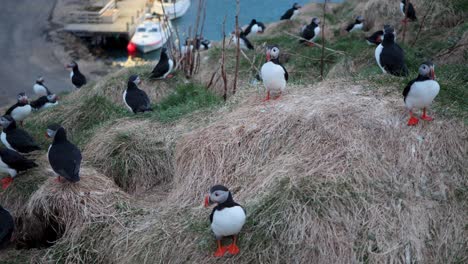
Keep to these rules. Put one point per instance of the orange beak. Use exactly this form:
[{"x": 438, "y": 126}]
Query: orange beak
[
  {"x": 207, "y": 201},
  {"x": 47, "y": 135},
  {"x": 433, "y": 73},
  {"x": 268, "y": 56}
]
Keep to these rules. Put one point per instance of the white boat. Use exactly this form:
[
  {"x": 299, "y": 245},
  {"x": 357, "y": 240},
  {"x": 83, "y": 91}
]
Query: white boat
[
  {"x": 171, "y": 8},
  {"x": 151, "y": 34}
]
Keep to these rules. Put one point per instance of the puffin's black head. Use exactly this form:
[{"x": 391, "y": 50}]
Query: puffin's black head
[
  {"x": 52, "y": 130},
  {"x": 315, "y": 20},
  {"x": 22, "y": 98},
  {"x": 72, "y": 65},
  {"x": 164, "y": 50},
  {"x": 296, "y": 6},
  {"x": 6, "y": 121},
  {"x": 359, "y": 19},
  {"x": 388, "y": 29},
  {"x": 134, "y": 79},
  {"x": 40, "y": 80},
  {"x": 427, "y": 70},
  {"x": 52, "y": 98},
  {"x": 272, "y": 52},
  {"x": 218, "y": 194},
  {"x": 253, "y": 22}
]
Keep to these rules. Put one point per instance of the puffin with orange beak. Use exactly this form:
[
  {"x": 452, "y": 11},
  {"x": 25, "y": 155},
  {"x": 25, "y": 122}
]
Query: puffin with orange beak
[
  {"x": 420, "y": 92},
  {"x": 21, "y": 110},
  {"x": 227, "y": 218},
  {"x": 273, "y": 73}
]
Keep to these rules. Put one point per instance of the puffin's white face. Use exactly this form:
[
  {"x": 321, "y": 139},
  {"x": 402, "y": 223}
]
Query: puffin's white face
[
  {"x": 50, "y": 133},
  {"x": 137, "y": 81},
  {"x": 316, "y": 20},
  {"x": 52, "y": 98},
  {"x": 274, "y": 52},
  {"x": 40, "y": 79},
  {"x": 219, "y": 196},
  {"x": 4, "y": 122},
  {"x": 22, "y": 98},
  {"x": 427, "y": 69}
]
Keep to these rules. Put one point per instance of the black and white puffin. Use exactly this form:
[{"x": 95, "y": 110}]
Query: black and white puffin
[
  {"x": 21, "y": 110},
  {"x": 254, "y": 27},
  {"x": 356, "y": 25},
  {"x": 198, "y": 43},
  {"x": 135, "y": 99},
  {"x": 39, "y": 88},
  {"x": 15, "y": 138},
  {"x": 165, "y": 65},
  {"x": 310, "y": 32},
  {"x": 292, "y": 12},
  {"x": 420, "y": 92},
  {"x": 273, "y": 73},
  {"x": 227, "y": 218},
  {"x": 244, "y": 42},
  {"x": 77, "y": 78},
  {"x": 376, "y": 38},
  {"x": 11, "y": 162},
  {"x": 7, "y": 226},
  {"x": 45, "y": 102},
  {"x": 408, "y": 14},
  {"x": 389, "y": 55},
  {"x": 64, "y": 157}
]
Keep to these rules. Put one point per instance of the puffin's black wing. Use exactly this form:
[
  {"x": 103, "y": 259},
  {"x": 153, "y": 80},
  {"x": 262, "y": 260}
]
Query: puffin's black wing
[
  {"x": 411, "y": 14},
  {"x": 373, "y": 38},
  {"x": 407, "y": 89},
  {"x": 138, "y": 100},
  {"x": 261, "y": 25},
  {"x": 15, "y": 160},
  {"x": 40, "y": 102},
  {"x": 247, "y": 42},
  {"x": 21, "y": 141},
  {"x": 160, "y": 69},
  {"x": 211, "y": 215},
  {"x": 392, "y": 60},
  {"x": 349, "y": 27},
  {"x": 65, "y": 160},
  {"x": 288, "y": 14},
  {"x": 308, "y": 32},
  {"x": 8, "y": 112},
  {"x": 248, "y": 29},
  {"x": 7, "y": 226},
  {"x": 78, "y": 79},
  {"x": 286, "y": 75}
]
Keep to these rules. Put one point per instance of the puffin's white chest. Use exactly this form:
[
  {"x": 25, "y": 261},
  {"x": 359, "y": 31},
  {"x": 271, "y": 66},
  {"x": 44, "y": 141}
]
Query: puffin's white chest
[
  {"x": 3, "y": 137},
  {"x": 295, "y": 13},
  {"x": 402, "y": 8},
  {"x": 255, "y": 29},
  {"x": 422, "y": 94},
  {"x": 242, "y": 44},
  {"x": 125, "y": 100},
  {"x": 21, "y": 112},
  {"x": 378, "y": 51},
  {"x": 357, "y": 27},
  {"x": 71, "y": 74},
  {"x": 273, "y": 77},
  {"x": 171, "y": 66},
  {"x": 228, "y": 222},
  {"x": 6, "y": 169},
  {"x": 39, "y": 90},
  {"x": 49, "y": 105},
  {"x": 316, "y": 32}
]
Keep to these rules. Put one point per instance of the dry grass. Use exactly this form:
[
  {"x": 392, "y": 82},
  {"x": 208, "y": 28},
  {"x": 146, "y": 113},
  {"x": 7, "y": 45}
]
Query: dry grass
[{"x": 327, "y": 174}]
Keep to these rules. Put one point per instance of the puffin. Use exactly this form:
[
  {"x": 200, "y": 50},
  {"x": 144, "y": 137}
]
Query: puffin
[
  {"x": 11, "y": 162},
  {"x": 227, "y": 218},
  {"x": 21, "y": 109},
  {"x": 135, "y": 99},
  {"x": 310, "y": 32},
  {"x": 408, "y": 14},
  {"x": 292, "y": 12},
  {"x": 77, "y": 78},
  {"x": 389, "y": 55},
  {"x": 274, "y": 74},
  {"x": 244, "y": 42},
  {"x": 420, "y": 92},
  {"x": 356, "y": 25},
  {"x": 39, "y": 88},
  {"x": 44, "y": 102},
  {"x": 165, "y": 65},
  {"x": 199, "y": 44},
  {"x": 254, "y": 27},
  {"x": 15, "y": 138},
  {"x": 375, "y": 38},
  {"x": 64, "y": 157},
  {"x": 7, "y": 226}
]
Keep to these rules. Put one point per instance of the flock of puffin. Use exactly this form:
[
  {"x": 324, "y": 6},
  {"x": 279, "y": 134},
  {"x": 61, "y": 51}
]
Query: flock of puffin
[{"x": 228, "y": 217}]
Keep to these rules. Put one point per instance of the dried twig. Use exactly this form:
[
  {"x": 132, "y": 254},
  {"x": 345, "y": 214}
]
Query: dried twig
[
  {"x": 323, "y": 40},
  {"x": 236, "y": 73},
  {"x": 405, "y": 19},
  {"x": 223, "y": 56},
  {"x": 421, "y": 25}
]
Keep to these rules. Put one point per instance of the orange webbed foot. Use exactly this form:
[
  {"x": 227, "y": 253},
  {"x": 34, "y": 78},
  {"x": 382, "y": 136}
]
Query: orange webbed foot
[
  {"x": 413, "y": 121},
  {"x": 233, "y": 249},
  {"x": 220, "y": 252},
  {"x": 169, "y": 76},
  {"x": 427, "y": 118},
  {"x": 6, "y": 182},
  {"x": 310, "y": 44}
]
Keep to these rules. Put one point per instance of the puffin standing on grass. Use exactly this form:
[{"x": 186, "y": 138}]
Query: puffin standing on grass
[
  {"x": 408, "y": 14},
  {"x": 135, "y": 99},
  {"x": 39, "y": 88},
  {"x": 44, "y": 102},
  {"x": 15, "y": 138},
  {"x": 21, "y": 109},
  {"x": 254, "y": 27},
  {"x": 77, "y": 78},
  {"x": 292, "y": 12},
  {"x": 274, "y": 74},
  {"x": 165, "y": 65},
  {"x": 7, "y": 225},
  {"x": 376, "y": 38},
  {"x": 356, "y": 25},
  {"x": 64, "y": 157},
  {"x": 11, "y": 162},
  {"x": 227, "y": 218},
  {"x": 420, "y": 92},
  {"x": 310, "y": 32},
  {"x": 244, "y": 42},
  {"x": 390, "y": 56}
]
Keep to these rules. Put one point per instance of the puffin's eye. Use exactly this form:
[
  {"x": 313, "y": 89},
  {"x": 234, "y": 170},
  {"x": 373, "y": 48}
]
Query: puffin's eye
[{"x": 216, "y": 194}]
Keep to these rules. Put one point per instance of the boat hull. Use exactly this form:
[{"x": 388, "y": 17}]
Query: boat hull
[{"x": 172, "y": 11}]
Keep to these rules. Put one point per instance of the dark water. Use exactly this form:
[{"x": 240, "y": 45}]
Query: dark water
[{"x": 266, "y": 11}]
